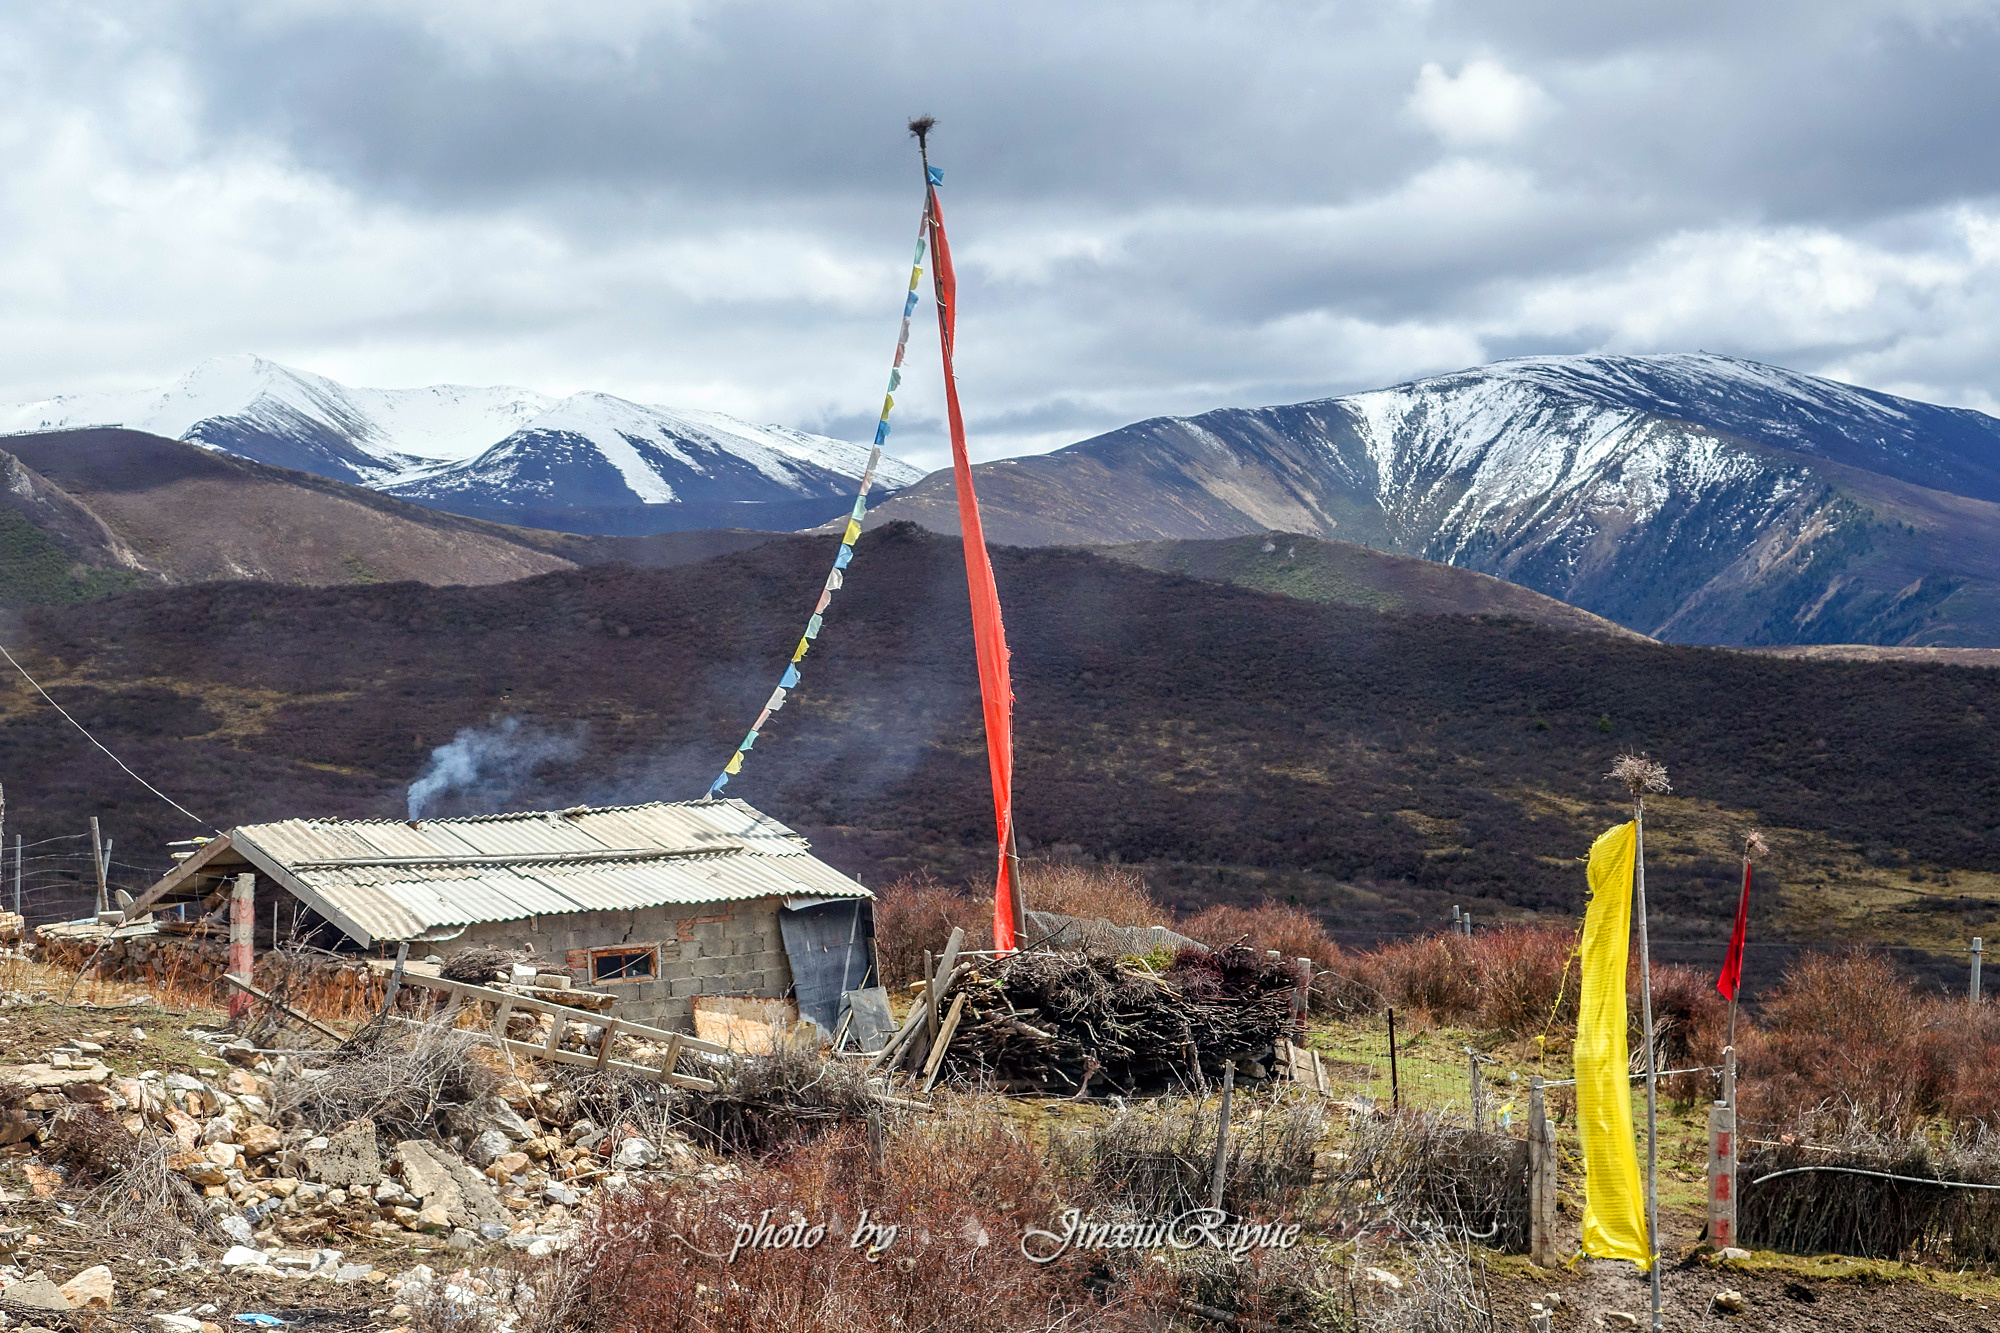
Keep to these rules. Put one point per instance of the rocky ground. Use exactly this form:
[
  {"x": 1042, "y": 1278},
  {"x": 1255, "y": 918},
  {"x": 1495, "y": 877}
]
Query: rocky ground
[
  {"x": 158, "y": 1173},
  {"x": 216, "y": 1200}
]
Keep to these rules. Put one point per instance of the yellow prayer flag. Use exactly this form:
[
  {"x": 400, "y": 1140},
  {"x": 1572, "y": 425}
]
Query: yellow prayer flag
[
  {"x": 735, "y": 764},
  {"x": 1614, "y": 1202},
  {"x": 803, "y": 645},
  {"x": 853, "y": 532},
  {"x": 916, "y": 276},
  {"x": 888, "y": 405}
]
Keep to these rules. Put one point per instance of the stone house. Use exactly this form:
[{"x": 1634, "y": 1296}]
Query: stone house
[{"x": 654, "y": 903}]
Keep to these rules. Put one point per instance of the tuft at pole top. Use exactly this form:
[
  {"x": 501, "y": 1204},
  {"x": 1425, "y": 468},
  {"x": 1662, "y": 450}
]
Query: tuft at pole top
[
  {"x": 1640, "y": 774},
  {"x": 921, "y": 127}
]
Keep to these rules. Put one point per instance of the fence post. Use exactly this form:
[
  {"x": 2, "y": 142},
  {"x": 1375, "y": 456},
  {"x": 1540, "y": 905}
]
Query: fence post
[
  {"x": 97, "y": 864},
  {"x": 1541, "y": 1179},
  {"x": 1301, "y": 995},
  {"x": 1722, "y": 1159},
  {"x": 1222, "y": 1137},
  {"x": 1395, "y": 1082},
  {"x": 242, "y": 950},
  {"x": 1978, "y": 952},
  {"x": 1478, "y": 1092}
]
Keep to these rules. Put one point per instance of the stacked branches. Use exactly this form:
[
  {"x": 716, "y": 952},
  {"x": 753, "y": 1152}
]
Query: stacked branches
[
  {"x": 1833, "y": 1209},
  {"x": 1054, "y": 1022}
]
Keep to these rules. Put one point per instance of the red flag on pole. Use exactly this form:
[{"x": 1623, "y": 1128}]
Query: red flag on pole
[
  {"x": 989, "y": 636},
  {"x": 1732, "y": 966}
]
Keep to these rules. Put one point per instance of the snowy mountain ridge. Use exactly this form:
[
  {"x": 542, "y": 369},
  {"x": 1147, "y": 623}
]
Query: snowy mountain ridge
[
  {"x": 1693, "y": 497},
  {"x": 589, "y": 460}
]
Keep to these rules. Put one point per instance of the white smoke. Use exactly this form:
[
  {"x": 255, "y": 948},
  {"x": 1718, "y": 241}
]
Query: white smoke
[{"x": 491, "y": 762}]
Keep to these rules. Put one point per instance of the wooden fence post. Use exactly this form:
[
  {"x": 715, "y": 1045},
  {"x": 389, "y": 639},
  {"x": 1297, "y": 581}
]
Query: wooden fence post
[
  {"x": 1978, "y": 953},
  {"x": 1541, "y": 1179},
  {"x": 1301, "y": 995},
  {"x": 242, "y": 949},
  {"x": 1478, "y": 1092},
  {"x": 1222, "y": 1137},
  {"x": 97, "y": 864}
]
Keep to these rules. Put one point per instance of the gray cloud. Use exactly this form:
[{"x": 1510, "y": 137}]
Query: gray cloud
[{"x": 1157, "y": 208}]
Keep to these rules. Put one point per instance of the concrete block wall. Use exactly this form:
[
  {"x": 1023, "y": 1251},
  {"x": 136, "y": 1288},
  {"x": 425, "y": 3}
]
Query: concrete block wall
[{"x": 704, "y": 949}]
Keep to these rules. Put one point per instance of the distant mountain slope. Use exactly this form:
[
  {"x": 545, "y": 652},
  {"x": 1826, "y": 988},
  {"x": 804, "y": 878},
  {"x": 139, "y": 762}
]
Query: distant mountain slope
[
  {"x": 1326, "y": 571},
  {"x": 589, "y": 462},
  {"x": 1693, "y": 498},
  {"x": 1230, "y": 743},
  {"x": 89, "y": 512}
]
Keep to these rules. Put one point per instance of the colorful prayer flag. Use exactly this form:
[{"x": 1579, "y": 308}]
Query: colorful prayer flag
[
  {"x": 989, "y": 635},
  {"x": 1614, "y": 1204}
]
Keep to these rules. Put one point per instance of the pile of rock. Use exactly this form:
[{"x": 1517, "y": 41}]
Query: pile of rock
[{"x": 512, "y": 1168}]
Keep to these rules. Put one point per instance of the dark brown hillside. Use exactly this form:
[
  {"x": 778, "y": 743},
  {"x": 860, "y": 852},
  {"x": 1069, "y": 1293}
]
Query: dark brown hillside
[
  {"x": 1329, "y": 571},
  {"x": 101, "y": 511},
  {"x": 1376, "y": 766}
]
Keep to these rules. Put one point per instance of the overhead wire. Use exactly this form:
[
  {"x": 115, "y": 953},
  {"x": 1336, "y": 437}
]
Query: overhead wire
[{"x": 94, "y": 741}]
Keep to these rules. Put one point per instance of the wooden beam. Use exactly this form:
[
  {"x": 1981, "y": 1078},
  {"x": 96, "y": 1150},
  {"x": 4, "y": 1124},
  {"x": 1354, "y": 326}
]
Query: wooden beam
[
  {"x": 568, "y": 1012},
  {"x": 180, "y": 874},
  {"x": 604, "y": 1047},
  {"x": 938, "y": 1047},
  {"x": 284, "y": 1008}
]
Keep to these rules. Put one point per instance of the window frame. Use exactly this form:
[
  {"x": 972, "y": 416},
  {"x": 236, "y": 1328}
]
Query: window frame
[{"x": 632, "y": 952}]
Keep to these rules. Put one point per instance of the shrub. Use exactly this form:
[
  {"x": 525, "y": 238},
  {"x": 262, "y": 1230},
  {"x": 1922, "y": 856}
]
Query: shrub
[
  {"x": 960, "y": 1190},
  {"x": 917, "y": 913},
  {"x": 1846, "y": 1038},
  {"x": 1096, "y": 893}
]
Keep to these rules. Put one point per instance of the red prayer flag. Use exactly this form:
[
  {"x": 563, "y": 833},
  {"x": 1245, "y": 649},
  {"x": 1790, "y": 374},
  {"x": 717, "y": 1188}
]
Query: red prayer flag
[
  {"x": 1732, "y": 966},
  {"x": 989, "y": 636}
]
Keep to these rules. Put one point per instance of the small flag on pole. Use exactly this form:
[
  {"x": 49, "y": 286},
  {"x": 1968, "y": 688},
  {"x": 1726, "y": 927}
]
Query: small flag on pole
[{"x": 1732, "y": 966}]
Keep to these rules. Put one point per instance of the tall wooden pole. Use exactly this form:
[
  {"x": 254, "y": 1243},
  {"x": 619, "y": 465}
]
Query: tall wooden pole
[{"x": 1652, "y": 1061}]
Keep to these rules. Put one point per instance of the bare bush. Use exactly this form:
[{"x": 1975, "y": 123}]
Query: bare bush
[
  {"x": 764, "y": 1103},
  {"x": 1157, "y": 1161},
  {"x": 402, "y": 1076},
  {"x": 127, "y": 1187}
]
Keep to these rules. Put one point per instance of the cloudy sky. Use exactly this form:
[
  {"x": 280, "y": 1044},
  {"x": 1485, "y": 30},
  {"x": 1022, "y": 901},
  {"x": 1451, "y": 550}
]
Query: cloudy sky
[{"x": 1158, "y": 208}]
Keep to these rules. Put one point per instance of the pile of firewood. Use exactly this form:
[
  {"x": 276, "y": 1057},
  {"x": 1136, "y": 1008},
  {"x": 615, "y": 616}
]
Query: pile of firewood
[{"x": 1069, "y": 1022}]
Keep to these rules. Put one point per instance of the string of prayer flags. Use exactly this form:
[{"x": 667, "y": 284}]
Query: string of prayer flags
[{"x": 845, "y": 555}]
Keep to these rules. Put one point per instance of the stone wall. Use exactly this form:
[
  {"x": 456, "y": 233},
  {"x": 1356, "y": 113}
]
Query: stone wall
[{"x": 699, "y": 949}]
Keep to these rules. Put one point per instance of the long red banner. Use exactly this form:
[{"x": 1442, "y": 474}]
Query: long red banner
[{"x": 989, "y": 635}]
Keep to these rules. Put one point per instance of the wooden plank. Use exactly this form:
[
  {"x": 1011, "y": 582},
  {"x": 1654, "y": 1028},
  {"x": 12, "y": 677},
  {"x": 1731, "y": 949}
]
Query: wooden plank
[
  {"x": 502, "y": 1012},
  {"x": 604, "y": 1045},
  {"x": 534, "y": 1005},
  {"x": 555, "y": 1036},
  {"x": 672, "y": 1056},
  {"x": 534, "y": 1052},
  {"x": 938, "y": 1047},
  {"x": 284, "y": 1008}
]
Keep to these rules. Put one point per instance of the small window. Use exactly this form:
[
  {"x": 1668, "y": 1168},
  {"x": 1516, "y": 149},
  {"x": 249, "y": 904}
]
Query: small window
[{"x": 624, "y": 964}]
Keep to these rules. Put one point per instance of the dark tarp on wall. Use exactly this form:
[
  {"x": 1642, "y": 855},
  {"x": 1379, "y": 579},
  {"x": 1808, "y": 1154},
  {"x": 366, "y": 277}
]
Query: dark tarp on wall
[{"x": 827, "y": 941}]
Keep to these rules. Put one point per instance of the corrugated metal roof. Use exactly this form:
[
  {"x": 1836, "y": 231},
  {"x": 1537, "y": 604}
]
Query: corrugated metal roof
[{"x": 394, "y": 880}]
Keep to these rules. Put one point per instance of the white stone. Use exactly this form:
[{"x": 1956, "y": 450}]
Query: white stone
[
  {"x": 633, "y": 1153},
  {"x": 1385, "y": 1277},
  {"x": 242, "y": 1256}
]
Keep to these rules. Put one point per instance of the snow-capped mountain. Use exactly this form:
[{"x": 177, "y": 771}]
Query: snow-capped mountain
[
  {"x": 590, "y": 462},
  {"x": 1693, "y": 497}
]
